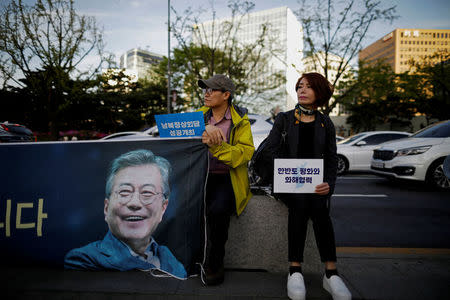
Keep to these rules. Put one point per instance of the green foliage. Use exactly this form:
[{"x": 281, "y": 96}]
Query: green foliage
[
  {"x": 379, "y": 96},
  {"x": 68, "y": 105},
  {"x": 195, "y": 62},
  {"x": 432, "y": 86},
  {"x": 201, "y": 54},
  {"x": 44, "y": 43},
  {"x": 83, "y": 105},
  {"x": 374, "y": 97},
  {"x": 125, "y": 107}
]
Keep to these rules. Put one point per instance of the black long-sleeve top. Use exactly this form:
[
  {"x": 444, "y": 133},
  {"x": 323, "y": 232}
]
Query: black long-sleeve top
[{"x": 323, "y": 142}]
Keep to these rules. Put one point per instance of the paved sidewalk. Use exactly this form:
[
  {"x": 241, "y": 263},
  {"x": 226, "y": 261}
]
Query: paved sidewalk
[{"x": 368, "y": 276}]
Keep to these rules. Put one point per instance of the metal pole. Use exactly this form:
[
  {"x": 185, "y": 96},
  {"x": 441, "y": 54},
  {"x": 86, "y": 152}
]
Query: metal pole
[{"x": 168, "y": 57}]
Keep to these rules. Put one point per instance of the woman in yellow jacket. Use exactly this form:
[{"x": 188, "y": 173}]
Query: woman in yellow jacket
[{"x": 229, "y": 138}]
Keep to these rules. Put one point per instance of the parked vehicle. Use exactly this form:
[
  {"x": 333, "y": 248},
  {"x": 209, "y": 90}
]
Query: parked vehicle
[
  {"x": 122, "y": 134},
  {"x": 151, "y": 132},
  {"x": 15, "y": 133},
  {"x": 354, "y": 153},
  {"x": 260, "y": 126},
  {"x": 419, "y": 157}
]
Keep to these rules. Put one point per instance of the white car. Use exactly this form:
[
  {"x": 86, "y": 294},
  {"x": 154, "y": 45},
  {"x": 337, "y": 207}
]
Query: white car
[
  {"x": 419, "y": 157},
  {"x": 118, "y": 135},
  {"x": 124, "y": 135},
  {"x": 260, "y": 126},
  {"x": 354, "y": 153}
]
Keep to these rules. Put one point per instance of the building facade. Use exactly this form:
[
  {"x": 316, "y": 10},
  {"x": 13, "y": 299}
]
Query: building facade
[
  {"x": 316, "y": 65},
  {"x": 138, "y": 62},
  {"x": 401, "y": 45},
  {"x": 286, "y": 40}
]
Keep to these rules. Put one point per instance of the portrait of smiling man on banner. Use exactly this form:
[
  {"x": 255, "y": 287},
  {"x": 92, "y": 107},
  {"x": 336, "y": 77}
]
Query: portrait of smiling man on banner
[{"x": 137, "y": 195}]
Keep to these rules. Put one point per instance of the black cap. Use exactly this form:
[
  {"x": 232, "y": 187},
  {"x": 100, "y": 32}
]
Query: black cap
[{"x": 218, "y": 82}]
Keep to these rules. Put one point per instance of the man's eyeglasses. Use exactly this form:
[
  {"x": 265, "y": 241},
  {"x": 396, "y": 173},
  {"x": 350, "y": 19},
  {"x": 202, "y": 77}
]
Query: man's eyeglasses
[
  {"x": 146, "y": 197},
  {"x": 210, "y": 90}
]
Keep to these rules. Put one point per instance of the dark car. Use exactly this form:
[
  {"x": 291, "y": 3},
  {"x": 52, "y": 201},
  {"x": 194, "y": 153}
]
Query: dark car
[{"x": 15, "y": 133}]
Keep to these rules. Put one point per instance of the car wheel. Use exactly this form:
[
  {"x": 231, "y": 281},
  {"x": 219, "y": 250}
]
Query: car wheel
[
  {"x": 342, "y": 165},
  {"x": 436, "y": 175}
]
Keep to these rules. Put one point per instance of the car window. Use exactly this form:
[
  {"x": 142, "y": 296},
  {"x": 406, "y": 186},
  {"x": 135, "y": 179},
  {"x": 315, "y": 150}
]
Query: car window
[
  {"x": 376, "y": 139},
  {"x": 436, "y": 130},
  {"x": 252, "y": 121},
  {"x": 383, "y": 137},
  {"x": 396, "y": 136},
  {"x": 351, "y": 138}
]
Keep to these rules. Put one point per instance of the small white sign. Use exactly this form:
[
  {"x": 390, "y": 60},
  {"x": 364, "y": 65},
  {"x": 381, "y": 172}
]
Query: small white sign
[{"x": 296, "y": 175}]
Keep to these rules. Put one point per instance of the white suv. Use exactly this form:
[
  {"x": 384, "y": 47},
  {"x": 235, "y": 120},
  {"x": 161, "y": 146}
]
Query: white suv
[
  {"x": 354, "y": 152},
  {"x": 419, "y": 157}
]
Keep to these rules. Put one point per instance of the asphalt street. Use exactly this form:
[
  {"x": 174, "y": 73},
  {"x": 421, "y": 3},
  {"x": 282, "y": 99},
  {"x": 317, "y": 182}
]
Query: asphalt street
[{"x": 370, "y": 211}]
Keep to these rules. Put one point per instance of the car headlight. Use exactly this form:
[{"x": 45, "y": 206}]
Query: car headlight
[{"x": 412, "y": 151}]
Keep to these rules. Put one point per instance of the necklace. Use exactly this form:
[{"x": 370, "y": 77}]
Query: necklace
[
  {"x": 304, "y": 110},
  {"x": 301, "y": 110}
]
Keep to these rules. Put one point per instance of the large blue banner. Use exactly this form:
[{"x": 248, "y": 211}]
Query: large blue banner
[{"x": 54, "y": 197}]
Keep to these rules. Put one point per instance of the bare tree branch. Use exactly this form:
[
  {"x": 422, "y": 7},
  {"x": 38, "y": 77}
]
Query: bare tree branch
[
  {"x": 340, "y": 32},
  {"x": 47, "y": 41},
  {"x": 216, "y": 47}
]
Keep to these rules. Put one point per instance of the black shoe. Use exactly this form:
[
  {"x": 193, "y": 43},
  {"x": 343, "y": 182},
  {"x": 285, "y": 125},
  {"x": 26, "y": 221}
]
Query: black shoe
[{"x": 215, "y": 277}]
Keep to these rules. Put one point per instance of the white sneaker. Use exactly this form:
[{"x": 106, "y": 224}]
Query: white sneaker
[
  {"x": 336, "y": 287},
  {"x": 296, "y": 287}
]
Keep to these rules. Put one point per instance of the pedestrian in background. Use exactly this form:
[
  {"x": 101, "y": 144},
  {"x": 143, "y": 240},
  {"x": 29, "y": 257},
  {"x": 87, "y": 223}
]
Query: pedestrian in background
[
  {"x": 309, "y": 134},
  {"x": 229, "y": 139}
]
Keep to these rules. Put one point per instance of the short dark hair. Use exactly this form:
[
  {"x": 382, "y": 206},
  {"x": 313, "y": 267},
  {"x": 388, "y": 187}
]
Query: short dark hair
[
  {"x": 322, "y": 88},
  {"x": 230, "y": 98},
  {"x": 138, "y": 158}
]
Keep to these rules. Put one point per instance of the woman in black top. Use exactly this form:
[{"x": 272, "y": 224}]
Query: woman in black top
[{"x": 309, "y": 134}]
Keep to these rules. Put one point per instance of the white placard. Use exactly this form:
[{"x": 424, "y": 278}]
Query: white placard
[{"x": 296, "y": 175}]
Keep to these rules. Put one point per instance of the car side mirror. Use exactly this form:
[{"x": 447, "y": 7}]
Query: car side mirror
[{"x": 361, "y": 143}]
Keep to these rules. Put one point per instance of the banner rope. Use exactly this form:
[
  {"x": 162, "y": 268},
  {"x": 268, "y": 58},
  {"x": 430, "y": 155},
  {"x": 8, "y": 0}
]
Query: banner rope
[
  {"x": 202, "y": 270},
  {"x": 163, "y": 274}
]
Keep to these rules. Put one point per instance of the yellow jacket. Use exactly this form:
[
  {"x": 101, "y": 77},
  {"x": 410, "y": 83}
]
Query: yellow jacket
[{"x": 236, "y": 154}]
